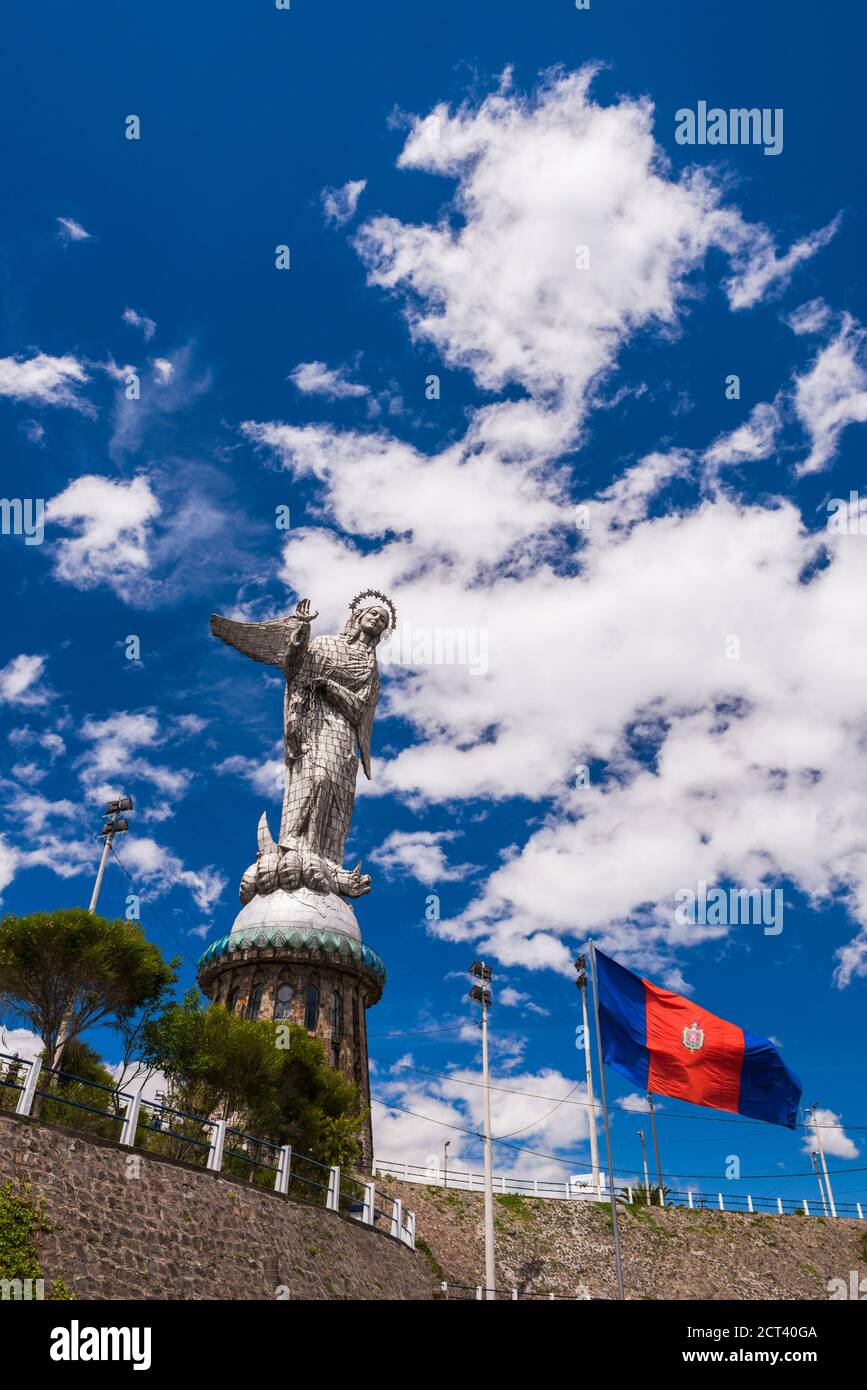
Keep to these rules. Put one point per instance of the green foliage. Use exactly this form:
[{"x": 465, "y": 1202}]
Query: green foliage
[
  {"x": 72, "y": 965},
  {"x": 218, "y": 1063},
  {"x": 516, "y": 1205},
  {"x": 21, "y": 1227},
  {"x": 436, "y": 1268},
  {"x": 640, "y": 1197}
]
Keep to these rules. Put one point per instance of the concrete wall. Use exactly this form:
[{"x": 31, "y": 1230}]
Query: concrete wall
[{"x": 177, "y": 1232}]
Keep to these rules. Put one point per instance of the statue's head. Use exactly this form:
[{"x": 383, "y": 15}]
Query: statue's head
[{"x": 372, "y": 619}]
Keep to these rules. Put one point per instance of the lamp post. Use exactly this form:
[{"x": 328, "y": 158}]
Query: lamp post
[
  {"x": 115, "y": 824},
  {"x": 644, "y": 1161},
  {"x": 819, "y": 1145},
  {"x": 446, "y": 1163},
  {"x": 481, "y": 993},
  {"x": 655, "y": 1142}
]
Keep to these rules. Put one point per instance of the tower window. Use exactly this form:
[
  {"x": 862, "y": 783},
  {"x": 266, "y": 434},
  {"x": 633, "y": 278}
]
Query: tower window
[
  {"x": 232, "y": 1000},
  {"x": 255, "y": 1003},
  {"x": 311, "y": 1009},
  {"x": 283, "y": 1006},
  {"x": 336, "y": 1016},
  {"x": 335, "y": 1056}
]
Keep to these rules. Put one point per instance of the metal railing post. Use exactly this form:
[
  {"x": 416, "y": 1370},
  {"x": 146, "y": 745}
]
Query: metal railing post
[
  {"x": 215, "y": 1152},
  {"x": 130, "y": 1121},
  {"x": 410, "y": 1229},
  {"x": 780, "y": 1205},
  {"x": 721, "y": 1203},
  {"x": 332, "y": 1202},
  {"x": 397, "y": 1218},
  {"x": 749, "y": 1203},
  {"x": 25, "y": 1100},
  {"x": 284, "y": 1165},
  {"x": 369, "y": 1203}
]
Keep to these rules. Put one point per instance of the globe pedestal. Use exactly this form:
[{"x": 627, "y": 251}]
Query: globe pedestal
[{"x": 298, "y": 957}]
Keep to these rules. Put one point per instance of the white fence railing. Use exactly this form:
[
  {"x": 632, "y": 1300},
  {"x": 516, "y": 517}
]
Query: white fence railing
[
  {"x": 578, "y": 1188},
  {"x": 213, "y": 1144}
]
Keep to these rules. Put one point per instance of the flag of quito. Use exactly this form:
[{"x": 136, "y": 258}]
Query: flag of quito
[{"x": 669, "y": 1045}]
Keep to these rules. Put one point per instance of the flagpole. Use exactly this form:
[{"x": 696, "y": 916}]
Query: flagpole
[
  {"x": 617, "y": 1260},
  {"x": 655, "y": 1144}
]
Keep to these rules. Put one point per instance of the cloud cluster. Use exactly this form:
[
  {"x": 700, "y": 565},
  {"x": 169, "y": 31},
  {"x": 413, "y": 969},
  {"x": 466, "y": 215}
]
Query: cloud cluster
[
  {"x": 697, "y": 653},
  {"x": 111, "y": 521},
  {"x": 44, "y": 380}
]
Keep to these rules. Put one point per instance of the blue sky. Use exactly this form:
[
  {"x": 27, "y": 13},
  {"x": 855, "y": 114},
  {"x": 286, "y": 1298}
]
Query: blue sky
[{"x": 468, "y": 153}]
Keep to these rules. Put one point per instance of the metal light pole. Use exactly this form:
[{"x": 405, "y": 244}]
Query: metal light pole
[
  {"x": 481, "y": 993},
  {"x": 114, "y": 825},
  {"x": 655, "y": 1141},
  {"x": 644, "y": 1161},
  {"x": 817, "y": 1128},
  {"x": 819, "y": 1181},
  {"x": 581, "y": 982},
  {"x": 446, "y": 1163}
]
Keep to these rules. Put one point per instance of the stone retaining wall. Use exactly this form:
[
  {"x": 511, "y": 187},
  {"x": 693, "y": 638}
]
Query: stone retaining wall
[{"x": 131, "y": 1225}]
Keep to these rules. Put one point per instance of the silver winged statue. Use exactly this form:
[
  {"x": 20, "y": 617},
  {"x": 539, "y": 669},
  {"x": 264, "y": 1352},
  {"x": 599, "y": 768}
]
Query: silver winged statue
[{"x": 332, "y": 687}]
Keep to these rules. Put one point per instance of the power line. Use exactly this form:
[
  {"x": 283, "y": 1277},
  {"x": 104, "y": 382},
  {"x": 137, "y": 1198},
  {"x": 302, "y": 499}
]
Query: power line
[{"x": 570, "y": 1162}]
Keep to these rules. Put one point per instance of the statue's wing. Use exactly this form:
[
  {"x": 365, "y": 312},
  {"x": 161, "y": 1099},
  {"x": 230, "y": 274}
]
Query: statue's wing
[{"x": 267, "y": 642}]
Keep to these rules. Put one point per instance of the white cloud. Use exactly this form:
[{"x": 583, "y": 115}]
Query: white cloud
[
  {"x": 33, "y": 432},
  {"x": 141, "y": 321},
  {"x": 617, "y": 634},
  {"x": 835, "y": 1140},
  {"x": 9, "y": 861},
  {"x": 316, "y": 379},
  {"x": 70, "y": 230},
  {"x": 811, "y": 317},
  {"x": 112, "y": 521},
  {"x": 511, "y": 998},
  {"x": 33, "y": 811},
  {"x": 44, "y": 379},
  {"x": 20, "y": 1042},
  {"x": 339, "y": 204},
  {"x": 833, "y": 394},
  {"x": 766, "y": 269},
  {"x": 553, "y": 173},
  {"x": 20, "y": 681},
  {"x": 749, "y": 442},
  {"x": 419, "y": 854},
  {"x": 172, "y": 388},
  {"x": 160, "y": 870},
  {"x": 636, "y": 1104},
  {"x": 526, "y": 1108},
  {"x": 114, "y": 758},
  {"x": 265, "y": 777}
]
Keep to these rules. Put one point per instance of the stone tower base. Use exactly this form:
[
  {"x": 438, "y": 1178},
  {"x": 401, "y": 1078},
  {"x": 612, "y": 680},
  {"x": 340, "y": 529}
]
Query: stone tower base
[{"x": 298, "y": 957}]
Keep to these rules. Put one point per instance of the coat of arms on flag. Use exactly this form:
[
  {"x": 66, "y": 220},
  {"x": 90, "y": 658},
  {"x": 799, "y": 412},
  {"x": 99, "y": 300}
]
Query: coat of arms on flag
[{"x": 693, "y": 1038}]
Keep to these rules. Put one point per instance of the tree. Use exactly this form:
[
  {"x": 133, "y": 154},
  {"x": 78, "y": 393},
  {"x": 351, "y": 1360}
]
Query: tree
[
  {"x": 219, "y": 1064},
  {"x": 66, "y": 971}
]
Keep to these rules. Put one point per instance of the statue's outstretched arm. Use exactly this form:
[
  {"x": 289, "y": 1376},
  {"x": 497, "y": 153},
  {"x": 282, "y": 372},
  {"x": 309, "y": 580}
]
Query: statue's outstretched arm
[{"x": 278, "y": 642}]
